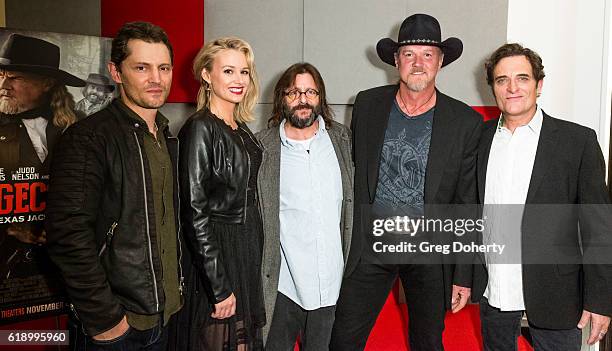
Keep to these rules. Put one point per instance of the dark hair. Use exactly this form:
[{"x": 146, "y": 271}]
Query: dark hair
[
  {"x": 514, "y": 49},
  {"x": 286, "y": 80},
  {"x": 145, "y": 31}
]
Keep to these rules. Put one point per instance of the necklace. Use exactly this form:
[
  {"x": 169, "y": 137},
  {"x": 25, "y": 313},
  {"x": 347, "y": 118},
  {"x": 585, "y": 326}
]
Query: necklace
[
  {"x": 413, "y": 112},
  {"x": 232, "y": 124}
]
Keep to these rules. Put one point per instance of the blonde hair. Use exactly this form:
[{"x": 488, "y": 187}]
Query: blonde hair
[
  {"x": 204, "y": 60},
  {"x": 62, "y": 104}
]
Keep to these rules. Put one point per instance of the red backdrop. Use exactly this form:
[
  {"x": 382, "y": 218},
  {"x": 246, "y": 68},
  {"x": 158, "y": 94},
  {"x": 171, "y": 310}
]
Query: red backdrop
[{"x": 183, "y": 20}]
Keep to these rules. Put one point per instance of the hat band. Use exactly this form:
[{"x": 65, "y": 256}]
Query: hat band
[{"x": 418, "y": 41}]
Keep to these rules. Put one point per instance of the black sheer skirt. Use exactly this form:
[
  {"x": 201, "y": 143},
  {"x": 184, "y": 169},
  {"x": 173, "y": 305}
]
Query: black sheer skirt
[{"x": 241, "y": 248}]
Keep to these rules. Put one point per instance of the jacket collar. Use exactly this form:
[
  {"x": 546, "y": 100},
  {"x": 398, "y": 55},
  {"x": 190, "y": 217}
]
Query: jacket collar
[
  {"x": 544, "y": 155},
  {"x": 136, "y": 120}
]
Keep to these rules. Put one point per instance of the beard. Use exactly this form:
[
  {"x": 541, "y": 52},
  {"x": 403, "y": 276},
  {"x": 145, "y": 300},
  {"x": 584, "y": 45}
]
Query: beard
[
  {"x": 10, "y": 106},
  {"x": 94, "y": 98},
  {"x": 416, "y": 86},
  {"x": 297, "y": 122},
  {"x": 417, "y": 83}
]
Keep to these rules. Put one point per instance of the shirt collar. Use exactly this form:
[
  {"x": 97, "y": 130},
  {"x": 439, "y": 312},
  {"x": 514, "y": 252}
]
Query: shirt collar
[
  {"x": 535, "y": 125},
  {"x": 283, "y": 136},
  {"x": 160, "y": 119}
]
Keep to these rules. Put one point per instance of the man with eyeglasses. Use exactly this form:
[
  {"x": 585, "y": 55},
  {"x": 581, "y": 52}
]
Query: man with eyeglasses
[{"x": 305, "y": 186}]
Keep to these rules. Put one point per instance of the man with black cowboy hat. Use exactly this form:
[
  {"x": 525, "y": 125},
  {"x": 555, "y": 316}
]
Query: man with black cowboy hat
[
  {"x": 35, "y": 107},
  {"x": 97, "y": 93},
  {"x": 413, "y": 146}
]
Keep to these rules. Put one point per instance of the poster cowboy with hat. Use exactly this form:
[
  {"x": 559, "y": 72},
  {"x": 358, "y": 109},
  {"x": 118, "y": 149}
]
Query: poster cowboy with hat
[{"x": 35, "y": 107}]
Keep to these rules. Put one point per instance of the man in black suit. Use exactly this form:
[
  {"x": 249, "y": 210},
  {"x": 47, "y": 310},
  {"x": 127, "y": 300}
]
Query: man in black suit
[
  {"x": 412, "y": 146},
  {"x": 554, "y": 170}
]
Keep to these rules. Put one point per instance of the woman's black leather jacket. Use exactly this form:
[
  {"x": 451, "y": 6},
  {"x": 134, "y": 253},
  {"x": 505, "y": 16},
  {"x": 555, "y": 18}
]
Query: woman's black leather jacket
[{"x": 213, "y": 172}]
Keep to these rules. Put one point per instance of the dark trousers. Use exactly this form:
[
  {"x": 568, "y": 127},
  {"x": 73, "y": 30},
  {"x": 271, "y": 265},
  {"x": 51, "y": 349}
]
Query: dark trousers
[
  {"x": 365, "y": 291},
  {"x": 501, "y": 329},
  {"x": 154, "y": 339},
  {"x": 290, "y": 320}
]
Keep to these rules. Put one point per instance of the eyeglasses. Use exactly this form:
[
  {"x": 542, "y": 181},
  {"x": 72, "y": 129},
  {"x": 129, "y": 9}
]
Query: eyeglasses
[{"x": 294, "y": 94}]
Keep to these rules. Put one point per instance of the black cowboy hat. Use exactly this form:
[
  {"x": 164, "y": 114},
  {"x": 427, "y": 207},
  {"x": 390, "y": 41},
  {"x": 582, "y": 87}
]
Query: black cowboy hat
[
  {"x": 419, "y": 29},
  {"x": 26, "y": 54},
  {"x": 100, "y": 80}
]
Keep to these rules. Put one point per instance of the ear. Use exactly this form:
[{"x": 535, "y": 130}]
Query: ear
[
  {"x": 205, "y": 75},
  {"x": 395, "y": 58},
  {"x": 539, "y": 87},
  {"x": 114, "y": 72},
  {"x": 441, "y": 54}
]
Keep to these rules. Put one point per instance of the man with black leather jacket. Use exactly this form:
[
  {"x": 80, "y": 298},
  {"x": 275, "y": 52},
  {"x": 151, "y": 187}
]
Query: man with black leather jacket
[{"x": 112, "y": 208}]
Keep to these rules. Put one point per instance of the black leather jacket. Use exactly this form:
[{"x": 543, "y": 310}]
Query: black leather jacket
[
  {"x": 100, "y": 219},
  {"x": 214, "y": 172}
]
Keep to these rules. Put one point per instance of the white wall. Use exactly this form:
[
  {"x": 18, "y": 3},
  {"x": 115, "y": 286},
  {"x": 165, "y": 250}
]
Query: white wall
[{"x": 571, "y": 37}]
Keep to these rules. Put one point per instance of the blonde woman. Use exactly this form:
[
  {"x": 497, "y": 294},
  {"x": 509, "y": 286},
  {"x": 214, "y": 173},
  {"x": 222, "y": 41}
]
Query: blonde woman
[{"x": 219, "y": 161}]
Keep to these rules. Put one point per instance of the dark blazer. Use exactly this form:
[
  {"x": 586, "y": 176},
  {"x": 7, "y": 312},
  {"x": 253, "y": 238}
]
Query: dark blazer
[
  {"x": 568, "y": 169},
  {"x": 451, "y": 165}
]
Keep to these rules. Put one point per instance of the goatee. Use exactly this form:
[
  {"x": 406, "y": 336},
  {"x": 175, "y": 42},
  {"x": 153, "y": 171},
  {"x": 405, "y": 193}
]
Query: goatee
[{"x": 296, "y": 121}]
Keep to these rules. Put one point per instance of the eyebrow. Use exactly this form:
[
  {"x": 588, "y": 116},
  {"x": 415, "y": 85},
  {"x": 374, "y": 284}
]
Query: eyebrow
[
  {"x": 525, "y": 75},
  {"x": 404, "y": 49},
  {"x": 230, "y": 66},
  {"x": 152, "y": 64}
]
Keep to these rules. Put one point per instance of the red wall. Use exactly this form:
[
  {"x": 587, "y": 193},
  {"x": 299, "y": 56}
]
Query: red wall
[
  {"x": 183, "y": 20},
  {"x": 487, "y": 112}
]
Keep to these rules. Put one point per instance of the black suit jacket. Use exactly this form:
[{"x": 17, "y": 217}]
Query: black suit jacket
[
  {"x": 451, "y": 166},
  {"x": 568, "y": 169}
]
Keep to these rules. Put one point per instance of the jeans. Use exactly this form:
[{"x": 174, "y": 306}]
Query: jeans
[
  {"x": 291, "y": 320},
  {"x": 154, "y": 339},
  {"x": 500, "y": 331}
]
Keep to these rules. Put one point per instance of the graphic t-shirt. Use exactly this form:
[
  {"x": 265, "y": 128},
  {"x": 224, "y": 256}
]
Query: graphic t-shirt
[{"x": 403, "y": 162}]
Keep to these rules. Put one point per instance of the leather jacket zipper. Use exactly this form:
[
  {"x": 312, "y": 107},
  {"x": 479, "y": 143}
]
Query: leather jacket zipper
[
  {"x": 255, "y": 141},
  {"x": 76, "y": 315},
  {"x": 109, "y": 237},
  {"x": 144, "y": 188},
  {"x": 178, "y": 220},
  {"x": 246, "y": 187}
]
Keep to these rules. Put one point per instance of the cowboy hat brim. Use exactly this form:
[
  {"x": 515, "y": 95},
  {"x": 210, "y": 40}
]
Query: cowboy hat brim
[
  {"x": 62, "y": 76},
  {"x": 451, "y": 47},
  {"x": 109, "y": 87}
]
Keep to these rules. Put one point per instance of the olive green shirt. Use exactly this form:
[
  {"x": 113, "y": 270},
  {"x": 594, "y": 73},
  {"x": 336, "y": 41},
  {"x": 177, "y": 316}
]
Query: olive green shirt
[{"x": 162, "y": 178}]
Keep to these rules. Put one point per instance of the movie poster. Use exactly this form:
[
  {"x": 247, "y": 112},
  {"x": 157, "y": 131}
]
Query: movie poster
[{"x": 30, "y": 286}]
